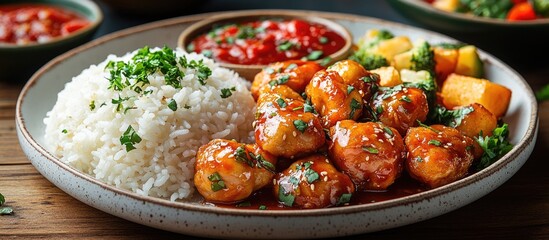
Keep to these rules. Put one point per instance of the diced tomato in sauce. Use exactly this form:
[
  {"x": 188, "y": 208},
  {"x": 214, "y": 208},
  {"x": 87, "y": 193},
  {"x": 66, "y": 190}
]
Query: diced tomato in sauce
[
  {"x": 263, "y": 42},
  {"x": 24, "y": 24}
]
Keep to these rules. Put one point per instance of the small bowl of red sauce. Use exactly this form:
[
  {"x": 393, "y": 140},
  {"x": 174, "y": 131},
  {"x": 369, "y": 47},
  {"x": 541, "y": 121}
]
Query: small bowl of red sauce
[
  {"x": 247, "y": 42},
  {"x": 32, "y": 32}
]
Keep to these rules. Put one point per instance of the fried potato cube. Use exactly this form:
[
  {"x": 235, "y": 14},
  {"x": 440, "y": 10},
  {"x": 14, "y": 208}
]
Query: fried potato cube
[
  {"x": 479, "y": 121},
  {"x": 388, "y": 76},
  {"x": 460, "y": 90}
]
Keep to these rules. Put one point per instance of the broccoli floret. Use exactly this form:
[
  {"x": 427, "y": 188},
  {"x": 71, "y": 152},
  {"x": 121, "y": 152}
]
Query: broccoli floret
[
  {"x": 422, "y": 80},
  {"x": 486, "y": 8},
  {"x": 423, "y": 58},
  {"x": 369, "y": 60},
  {"x": 542, "y": 7},
  {"x": 364, "y": 54}
]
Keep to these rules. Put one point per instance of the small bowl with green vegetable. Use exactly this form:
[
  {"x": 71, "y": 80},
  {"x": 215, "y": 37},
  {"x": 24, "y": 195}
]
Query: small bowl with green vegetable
[
  {"x": 493, "y": 25},
  {"x": 248, "y": 41}
]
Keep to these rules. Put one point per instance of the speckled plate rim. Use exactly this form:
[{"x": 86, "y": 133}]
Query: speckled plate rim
[
  {"x": 472, "y": 19},
  {"x": 526, "y": 142},
  {"x": 95, "y": 20}
]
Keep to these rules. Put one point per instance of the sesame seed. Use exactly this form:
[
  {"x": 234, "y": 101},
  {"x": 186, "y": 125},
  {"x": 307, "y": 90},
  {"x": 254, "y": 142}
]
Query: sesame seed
[
  {"x": 284, "y": 136},
  {"x": 312, "y": 187},
  {"x": 294, "y": 133},
  {"x": 323, "y": 173},
  {"x": 325, "y": 178}
]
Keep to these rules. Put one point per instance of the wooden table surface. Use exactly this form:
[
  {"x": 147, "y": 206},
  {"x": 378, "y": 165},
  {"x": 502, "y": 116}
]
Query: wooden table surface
[{"x": 519, "y": 209}]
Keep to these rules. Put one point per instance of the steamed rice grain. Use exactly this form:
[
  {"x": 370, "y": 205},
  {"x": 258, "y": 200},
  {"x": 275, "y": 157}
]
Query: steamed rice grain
[{"x": 162, "y": 164}]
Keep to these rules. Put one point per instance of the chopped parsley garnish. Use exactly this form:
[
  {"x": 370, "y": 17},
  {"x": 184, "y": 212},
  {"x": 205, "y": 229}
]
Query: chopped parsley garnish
[
  {"x": 285, "y": 46},
  {"x": 280, "y": 80},
  {"x": 379, "y": 109},
  {"x": 311, "y": 175},
  {"x": 285, "y": 198},
  {"x": 308, "y": 108},
  {"x": 325, "y": 61},
  {"x": 405, "y": 99},
  {"x": 263, "y": 163},
  {"x": 323, "y": 40},
  {"x": 418, "y": 159},
  {"x": 368, "y": 79},
  {"x": 370, "y": 150},
  {"x": 227, "y": 92},
  {"x": 262, "y": 207},
  {"x": 388, "y": 131},
  {"x": 4, "y": 210},
  {"x": 64, "y": 131},
  {"x": 203, "y": 71},
  {"x": 241, "y": 155},
  {"x": 134, "y": 73},
  {"x": 172, "y": 105},
  {"x": 119, "y": 103},
  {"x": 217, "y": 182},
  {"x": 291, "y": 67},
  {"x": 147, "y": 92},
  {"x": 350, "y": 89},
  {"x": 293, "y": 180},
  {"x": 344, "y": 198},
  {"x": 207, "y": 53},
  {"x": 315, "y": 55},
  {"x": 427, "y": 126},
  {"x": 434, "y": 142},
  {"x": 355, "y": 105},
  {"x": 245, "y": 32},
  {"x": 92, "y": 105},
  {"x": 281, "y": 103},
  {"x": 187, "y": 106},
  {"x": 448, "y": 117},
  {"x": 494, "y": 146},
  {"x": 300, "y": 125},
  {"x": 129, "y": 138}
]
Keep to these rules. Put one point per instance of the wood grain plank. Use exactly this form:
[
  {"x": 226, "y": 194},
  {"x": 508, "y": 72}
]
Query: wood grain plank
[
  {"x": 43, "y": 210},
  {"x": 10, "y": 151}
]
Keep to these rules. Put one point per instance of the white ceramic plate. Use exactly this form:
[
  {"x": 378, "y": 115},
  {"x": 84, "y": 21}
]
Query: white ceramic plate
[{"x": 39, "y": 96}]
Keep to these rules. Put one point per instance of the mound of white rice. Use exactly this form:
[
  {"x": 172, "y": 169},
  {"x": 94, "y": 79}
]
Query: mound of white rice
[{"x": 84, "y": 127}]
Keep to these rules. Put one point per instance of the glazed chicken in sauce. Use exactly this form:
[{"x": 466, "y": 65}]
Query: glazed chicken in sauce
[
  {"x": 227, "y": 171},
  {"x": 400, "y": 107},
  {"x": 313, "y": 182},
  {"x": 333, "y": 98},
  {"x": 438, "y": 155},
  {"x": 372, "y": 154},
  {"x": 335, "y": 132},
  {"x": 285, "y": 125}
]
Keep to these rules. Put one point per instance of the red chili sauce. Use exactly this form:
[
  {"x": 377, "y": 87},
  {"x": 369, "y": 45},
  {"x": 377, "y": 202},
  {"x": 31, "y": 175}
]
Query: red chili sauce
[
  {"x": 268, "y": 41},
  {"x": 24, "y": 24}
]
